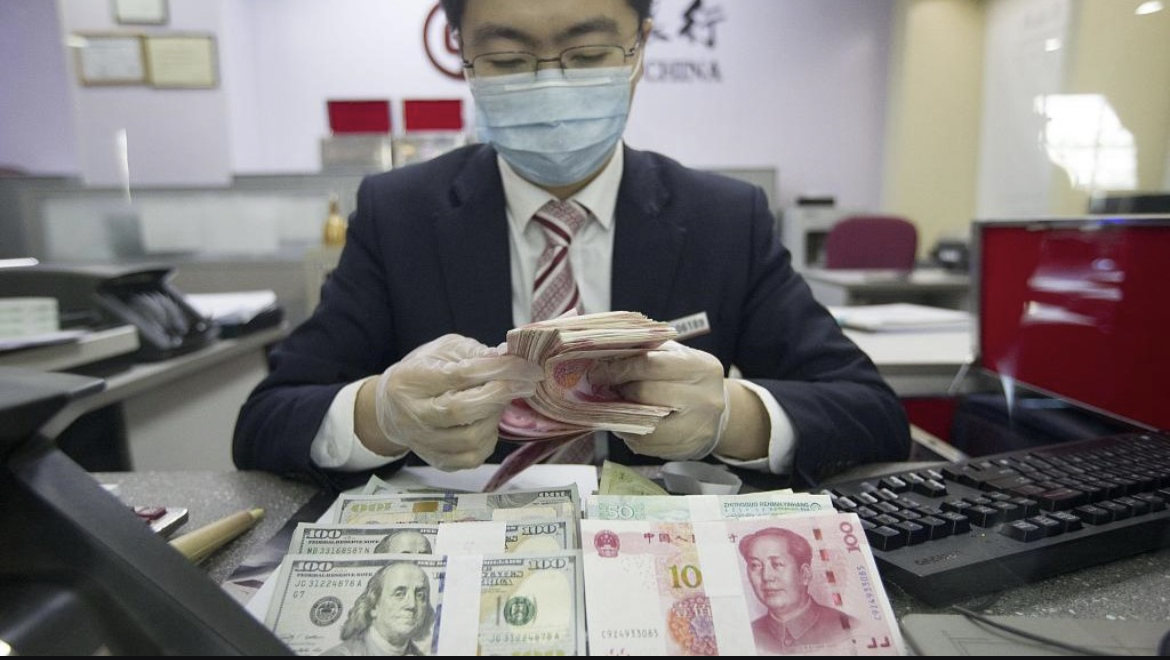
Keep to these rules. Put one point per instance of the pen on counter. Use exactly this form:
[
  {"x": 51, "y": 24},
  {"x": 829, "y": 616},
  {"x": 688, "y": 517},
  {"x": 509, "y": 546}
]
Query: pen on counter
[{"x": 198, "y": 544}]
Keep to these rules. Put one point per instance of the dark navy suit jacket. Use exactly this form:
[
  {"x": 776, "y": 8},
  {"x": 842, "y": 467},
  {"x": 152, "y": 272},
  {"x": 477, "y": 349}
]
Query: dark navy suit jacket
[{"x": 427, "y": 254}]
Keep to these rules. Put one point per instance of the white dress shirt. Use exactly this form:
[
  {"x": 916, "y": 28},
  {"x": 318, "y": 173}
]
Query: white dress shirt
[{"x": 591, "y": 254}]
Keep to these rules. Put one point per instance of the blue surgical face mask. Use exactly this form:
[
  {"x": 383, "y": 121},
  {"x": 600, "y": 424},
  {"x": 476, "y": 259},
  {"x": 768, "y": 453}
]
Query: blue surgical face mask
[{"x": 556, "y": 129}]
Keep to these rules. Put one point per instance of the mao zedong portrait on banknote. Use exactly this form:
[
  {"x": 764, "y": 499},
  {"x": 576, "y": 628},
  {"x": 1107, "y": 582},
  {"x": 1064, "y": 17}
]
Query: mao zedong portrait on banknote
[
  {"x": 779, "y": 566},
  {"x": 392, "y": 616}
]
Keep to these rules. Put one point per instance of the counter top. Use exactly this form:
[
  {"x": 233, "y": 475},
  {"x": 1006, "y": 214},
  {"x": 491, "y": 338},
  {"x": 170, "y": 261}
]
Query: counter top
[
  {"x": 144, "y": 376},
  {"x": 1134, "y": 588}
]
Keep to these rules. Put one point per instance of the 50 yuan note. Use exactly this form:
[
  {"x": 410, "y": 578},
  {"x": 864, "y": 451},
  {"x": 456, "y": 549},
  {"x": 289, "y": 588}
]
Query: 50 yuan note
[
  {"x": 542, "y": 504},
  {"x": 476, "y": 537},
  {"x": 703, "y": 507},
  {"x": 430, "y": 604},
  {"x": 802, "y": 585}
]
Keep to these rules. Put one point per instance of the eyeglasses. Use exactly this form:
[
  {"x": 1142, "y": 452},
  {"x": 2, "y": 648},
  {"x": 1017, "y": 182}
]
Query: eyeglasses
[{"x": 574, "y": 60}]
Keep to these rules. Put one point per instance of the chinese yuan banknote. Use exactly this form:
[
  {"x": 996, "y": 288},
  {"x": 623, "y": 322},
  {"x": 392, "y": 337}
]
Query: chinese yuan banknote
[
  {"x": 703, "y": 507},
  {"x": 799, "y": 584}
]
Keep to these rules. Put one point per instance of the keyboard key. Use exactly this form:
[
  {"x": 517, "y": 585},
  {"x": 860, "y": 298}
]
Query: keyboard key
[
  {"x": 1010, "y": 511},
  {"x": 1156, "y": 503},
  {"x": 1118, "y": 510},
  {"x": 982, "y": 515},
  {"x": 915, "y": 533},
  {"x": 894, "y": 484},
  {"x": 956, "y": 505},
  {"x": 844, "y": 504},
  {"x": 1070, "y": 522},
  {"x": 957, "y": 522},
  {"x": 866, "y": 513},
  {"x": 936, "y": 528},
  {"x": 1060, "y": 499},
  {"x": 886, "y": 538},
  {"x": 1093, "y": 491},
  {"x": 1051, "y": 526},
  {"x": 1030, "y": 507},
  {"x": 1093, "y": 514},
  {"x": 1021, "y": 530},
  {"x": 1136, "y": 506},
  {"x": 930, "y": 488}
]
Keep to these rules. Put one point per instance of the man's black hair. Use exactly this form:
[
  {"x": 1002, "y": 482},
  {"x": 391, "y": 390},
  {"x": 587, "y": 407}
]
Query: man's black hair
[{"x": 454, "y": 10}]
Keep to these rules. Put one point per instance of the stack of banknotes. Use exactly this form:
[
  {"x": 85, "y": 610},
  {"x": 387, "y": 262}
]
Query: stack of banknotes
[
  {"x": 435, "y": 573},
  {"x": 538, "y": 572},
  {"x": 566, "y": 405}
]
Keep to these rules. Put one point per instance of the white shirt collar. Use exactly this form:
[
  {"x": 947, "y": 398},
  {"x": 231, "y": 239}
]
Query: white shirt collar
[{"x": 524, "y": 198}]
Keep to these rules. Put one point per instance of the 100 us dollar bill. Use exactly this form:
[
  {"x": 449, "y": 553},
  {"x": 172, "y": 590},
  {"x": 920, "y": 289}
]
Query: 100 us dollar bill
[
  {"x": 452, "y": 538},
  {"x": 383, "y": 508},
  {"x": 430, "y": 604}
]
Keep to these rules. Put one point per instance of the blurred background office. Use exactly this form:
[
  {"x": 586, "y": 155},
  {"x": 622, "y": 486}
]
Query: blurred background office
[{"x": 199, "y": 133}]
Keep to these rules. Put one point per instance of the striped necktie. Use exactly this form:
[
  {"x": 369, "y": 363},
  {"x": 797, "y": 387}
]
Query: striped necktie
[{"x": 554, "y": 291}]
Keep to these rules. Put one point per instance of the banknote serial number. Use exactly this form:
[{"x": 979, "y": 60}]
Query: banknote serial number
[
  {"x": 317, "y": 583},
  {"x": 630, "y": 633}
]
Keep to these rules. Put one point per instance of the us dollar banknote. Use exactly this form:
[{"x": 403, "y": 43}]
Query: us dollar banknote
[
  {"x": 703, "y": 507},
  {"x": 453, "y": 538},
  {"x": 801, "y": 584},
  {"x": 411, "y": 604},
  {"x": 381, "y": 508}
]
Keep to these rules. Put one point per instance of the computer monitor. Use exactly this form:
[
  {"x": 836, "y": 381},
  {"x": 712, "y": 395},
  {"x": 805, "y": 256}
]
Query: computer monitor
[{"x": 1078, "y": 309}]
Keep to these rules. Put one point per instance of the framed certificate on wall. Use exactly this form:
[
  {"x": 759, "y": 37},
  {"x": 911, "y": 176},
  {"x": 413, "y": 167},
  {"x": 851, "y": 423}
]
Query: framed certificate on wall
[
  {"x": 181, "y": 61},
  {"x": 140, "y": 12},
  {"x": 109, "y": 59}
]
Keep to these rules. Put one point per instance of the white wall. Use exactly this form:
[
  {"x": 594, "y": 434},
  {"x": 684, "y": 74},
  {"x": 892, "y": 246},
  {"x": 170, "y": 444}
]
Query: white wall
[
  {"x": 36, "y": 128},
  {"x": 173, "y": 136},
  {"x": 802, "y": 90},
  {"x": 1015, "y": 175}
]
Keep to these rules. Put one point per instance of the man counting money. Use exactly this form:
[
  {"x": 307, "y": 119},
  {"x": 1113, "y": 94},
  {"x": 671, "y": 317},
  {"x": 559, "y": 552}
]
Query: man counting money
[{"x": 551, "y": 212}]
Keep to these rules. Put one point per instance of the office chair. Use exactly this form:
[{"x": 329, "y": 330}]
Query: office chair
[{"x": 872, "y": 241}]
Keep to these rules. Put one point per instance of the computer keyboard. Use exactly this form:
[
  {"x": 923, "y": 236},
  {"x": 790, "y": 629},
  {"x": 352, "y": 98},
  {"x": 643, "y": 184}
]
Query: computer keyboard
[{"x": 985, "y": 524}]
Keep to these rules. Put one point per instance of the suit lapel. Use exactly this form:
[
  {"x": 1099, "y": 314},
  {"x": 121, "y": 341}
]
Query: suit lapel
[
  {"x": 472, "y": 238},
  {"x": 647, "y": 244}
]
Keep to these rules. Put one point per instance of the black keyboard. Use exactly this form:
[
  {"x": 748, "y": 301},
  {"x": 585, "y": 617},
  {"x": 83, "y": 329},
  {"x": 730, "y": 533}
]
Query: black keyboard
[{"x": 978, "y": 526}]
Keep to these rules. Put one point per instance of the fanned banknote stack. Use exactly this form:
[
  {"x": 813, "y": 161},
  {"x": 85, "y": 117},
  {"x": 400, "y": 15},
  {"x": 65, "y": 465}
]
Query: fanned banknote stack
[
  {"x": 435, "y": 573},
  {"x": 759, "y": 574},
  {"x": 566, "y": 405}
]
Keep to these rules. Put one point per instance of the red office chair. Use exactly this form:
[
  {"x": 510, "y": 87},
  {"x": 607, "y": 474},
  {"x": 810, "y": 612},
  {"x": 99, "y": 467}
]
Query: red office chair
[{"x": 872, "y": 242}]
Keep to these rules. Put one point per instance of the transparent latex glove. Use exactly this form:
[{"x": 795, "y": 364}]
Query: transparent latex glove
[
  {"x": 444, "y": 400},
  {"x": 684, "y": 378}
]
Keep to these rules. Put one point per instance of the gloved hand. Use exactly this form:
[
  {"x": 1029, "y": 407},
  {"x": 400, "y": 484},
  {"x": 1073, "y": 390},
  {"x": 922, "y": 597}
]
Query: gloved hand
[
  {"x": 687, "y": 379},
  {"x": 444, "y": 400}
]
